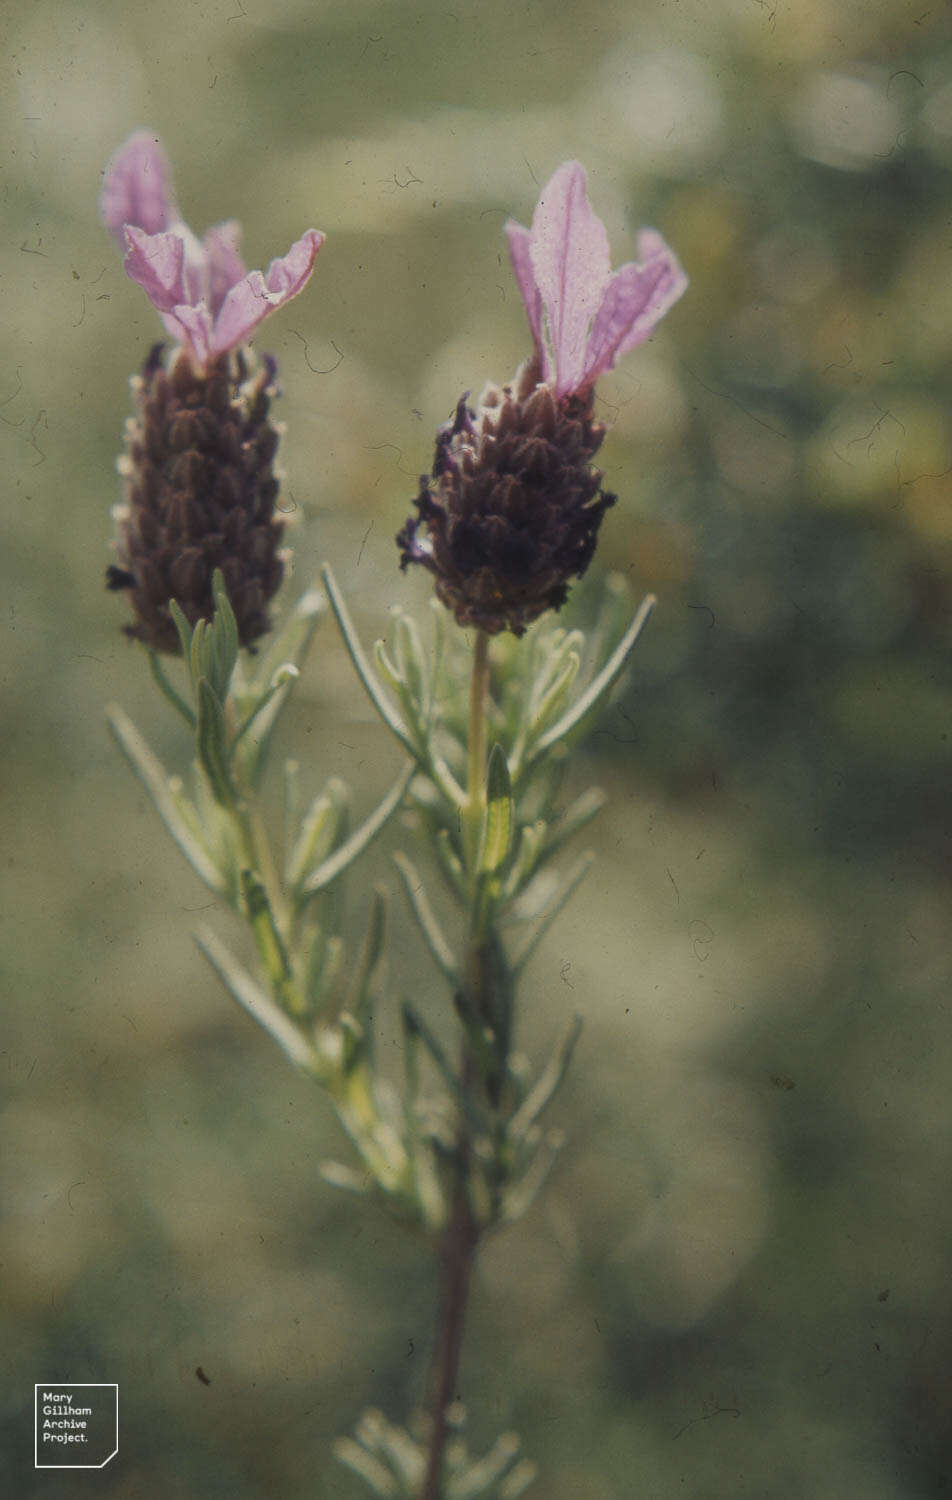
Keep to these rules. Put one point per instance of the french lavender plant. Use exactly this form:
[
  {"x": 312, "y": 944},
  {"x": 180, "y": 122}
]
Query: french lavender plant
[{"x": 507, "y": 519}]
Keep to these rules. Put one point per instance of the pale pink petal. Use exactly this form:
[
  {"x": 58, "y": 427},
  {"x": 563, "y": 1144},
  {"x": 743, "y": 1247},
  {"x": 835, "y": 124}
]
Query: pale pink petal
[
  {"x": 520, "y": 250},
  {"x": 571, "y": 264},
  {"x": 673, "y": 283},
  {"x": 224, "y": 267},
  {"x": 286, "y": 276},
  {"x": 157, "y": 263},
  {"x": 137, "y": 188},
  {"x": 191, "y": 326},
  {"x": 251, "y": 300},
  {"x": 635, "y": 300}
]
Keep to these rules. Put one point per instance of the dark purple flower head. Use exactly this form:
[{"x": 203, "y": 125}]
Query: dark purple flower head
[
  {"x": 512, "y": 509},
  {"x": 209, "y": 303},
  {"x": 583, "y": 315}
]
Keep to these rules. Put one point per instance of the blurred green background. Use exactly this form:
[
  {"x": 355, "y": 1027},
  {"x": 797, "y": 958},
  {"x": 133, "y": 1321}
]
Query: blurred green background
[{"x": 737, "y": 1282}]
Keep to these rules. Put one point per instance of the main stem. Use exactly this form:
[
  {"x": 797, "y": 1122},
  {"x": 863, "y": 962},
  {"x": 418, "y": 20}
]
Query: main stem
[{"x": 458, "y": 1250}]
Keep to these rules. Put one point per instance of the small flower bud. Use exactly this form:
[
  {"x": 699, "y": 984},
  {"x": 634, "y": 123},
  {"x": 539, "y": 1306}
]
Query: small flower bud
[
  {"x": 513, "y": 507},
  {"x": 200, "y": 494}
]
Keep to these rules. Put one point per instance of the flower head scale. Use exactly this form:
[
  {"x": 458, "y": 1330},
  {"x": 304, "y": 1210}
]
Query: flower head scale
[
  {"x": 583, "y": 316},
  {"x": 209, "y": 303}
]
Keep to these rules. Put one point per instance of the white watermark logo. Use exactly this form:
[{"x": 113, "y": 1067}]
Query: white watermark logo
[{"x": 75, "y": 1425}]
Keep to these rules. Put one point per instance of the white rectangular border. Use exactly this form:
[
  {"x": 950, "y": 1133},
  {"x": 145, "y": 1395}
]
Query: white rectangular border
[{"x": 74, "y": 1385}]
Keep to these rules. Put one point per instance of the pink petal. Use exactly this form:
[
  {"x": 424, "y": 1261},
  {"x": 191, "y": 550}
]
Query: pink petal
[
  {"x": 250, "y": 300},
  {"x": 137, "y": 188},
  {"x": 673, "y": 283},
  {"x": 635, "y": 300},
  {"x": 571, "y": 263},
  {"x": 224, "y": 267},
  {"x": 191, "y": 326},
  {"x": 520, "y": 250},
  {"x": 289, "y": 274},
  {"x": 157, "y": 263}
]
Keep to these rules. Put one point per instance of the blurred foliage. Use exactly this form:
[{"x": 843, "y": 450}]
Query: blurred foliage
[{"x": 736, "y": 1283}]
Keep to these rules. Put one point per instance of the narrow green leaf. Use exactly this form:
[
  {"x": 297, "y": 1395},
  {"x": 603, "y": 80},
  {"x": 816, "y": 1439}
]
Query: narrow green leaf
[
  {"x": 252, "y": 997},
  {"x": 451, "y": 862},
  {"x": 211, "y": 741},
  {"x": 414, "y": 1024},
  {"x": 196, "y": 654},
  {"x": 318, "y": 832},
  {"x": 223, "y": 640},
  {"x": 292, "y": 642},
  {"x": 153, "y": 777},
  {"x": 387, "y": 667},
  {"x": 548, "y": 1083},
  {"x": 360, "y": 995},
  {"x": 285, "y": 677},
  {"x": 518, "y": 1198},
  {"x": 531, "y": 841},
  {"x": 413, "y": 663},
  {"x": 570, "y": 883},
  {"x": 488, "y": 1471},
  {"x": 423, "y": 911},
  {"x": 184, "y": 629},
  {"x": 497, "y": 824},
  {"x": 346, "y": 1451},
  {"x": 361, "y": 665},
  {"x": 599, "y": 684},
  {"x": 269, "y": 942},
  {"x": 361, "y": 837},
  {"x": 575, "y": 817},
  {"x": 166, "y": 688},
  {"x": 554, "y": 696}
]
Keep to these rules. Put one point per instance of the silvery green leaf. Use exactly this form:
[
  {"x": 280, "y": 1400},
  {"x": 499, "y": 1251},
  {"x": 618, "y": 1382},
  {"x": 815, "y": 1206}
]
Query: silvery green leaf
[
  {"x": 340, "y": 1176},
  {"x": 599, "y": 685},
  {"x": 415, "y": 1025},
  {"x": 412, "y": 662},
  {"x": 531, "y": 842},
  {"x": 450, "y": 861},
  {"x": 518, "y": 1480},
  {"x": 318, "y": 832},
  {"x": 359, "y": 999},
  {"x": 292, "y": 642},
  {"x": 183, "y": 627},
  {"x": 346, "y": 1451},
  {"x": 221, "y": 640},
  {"x": 166, "y": 688},
  {"x": 256, "y": 1002},
  {"x": 519, "y": 1197},
  {"x": 552, "y": 699},
  {"x": 569, "y": 883},
  {"x": 426, "y": 918},
  {"x": 388, "y": 668},
  {"x": 211, "y": 739},
  {"x": 575, "y": 817},
  {"x": 478, "y": 1477},
  {"x": 351, "y": 640},
  {"x": 497, "y": 821},
  {"x": 270, "y": 944},
  {"x": 167, "y": 801},
  {"x": 547, "y": 1084},
  {"x": 337, "y": 862}
]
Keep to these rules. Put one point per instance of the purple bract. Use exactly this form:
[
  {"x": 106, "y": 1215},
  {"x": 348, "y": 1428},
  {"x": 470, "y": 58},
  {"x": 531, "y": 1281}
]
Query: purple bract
[
  {"x": 209, "y": 303},
  {"x": 583, "y": 316}
]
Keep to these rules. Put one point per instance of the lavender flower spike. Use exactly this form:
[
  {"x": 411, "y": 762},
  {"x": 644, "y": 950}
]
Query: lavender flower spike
[
  {"x": 209, "y": 303},
  {"x": 582, "y": 315}
]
